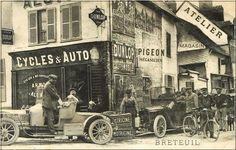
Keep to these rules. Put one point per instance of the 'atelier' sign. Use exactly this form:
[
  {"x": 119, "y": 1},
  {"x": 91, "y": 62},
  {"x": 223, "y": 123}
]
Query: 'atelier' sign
[{"x": 188, "y": 13}]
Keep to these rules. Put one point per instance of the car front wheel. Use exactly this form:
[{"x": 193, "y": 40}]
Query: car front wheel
[
  {"x": 159, "y": 126},
  {"x": 100, "y": 131},
  {"x": 9, "y": 131}
]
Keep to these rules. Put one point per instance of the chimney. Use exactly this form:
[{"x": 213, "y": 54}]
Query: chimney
[
  {"x": 214, "y": 13},
  {"x": 205, "y": 4},
  {"x": 171, "y": 4}
]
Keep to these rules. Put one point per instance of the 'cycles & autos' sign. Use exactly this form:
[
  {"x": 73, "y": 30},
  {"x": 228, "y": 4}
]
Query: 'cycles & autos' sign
[{"x": 54, "y": 56}]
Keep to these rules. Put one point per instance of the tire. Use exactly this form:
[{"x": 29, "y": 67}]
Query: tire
[
  {"x": 189, "y": 126},
  {"x": 100, "y": 131},
  {"x": 212, "y": 131},
  {"x": 160, "y": 126},
  {"x": 9, "y": 131}
]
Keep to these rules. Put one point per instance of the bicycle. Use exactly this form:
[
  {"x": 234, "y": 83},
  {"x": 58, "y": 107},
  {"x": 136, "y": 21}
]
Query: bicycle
[{"x": 210, "y": 126}]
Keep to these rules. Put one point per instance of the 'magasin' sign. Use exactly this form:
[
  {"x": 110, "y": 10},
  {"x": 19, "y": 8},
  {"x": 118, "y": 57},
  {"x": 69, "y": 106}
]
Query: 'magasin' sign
[{"x": 188, "y": 13}]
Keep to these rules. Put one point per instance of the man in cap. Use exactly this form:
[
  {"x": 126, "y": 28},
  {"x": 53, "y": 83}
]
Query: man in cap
[
  {"x": 50, "y": 101},
  {"x": 206, "y": 102},
  {"x": 221, "y": 103},
  {"x": 129, "y": 105},
  {"x": 191, "y": 100}
]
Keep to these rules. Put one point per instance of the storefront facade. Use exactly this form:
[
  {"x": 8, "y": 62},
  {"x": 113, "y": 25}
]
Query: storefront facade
[
  {"x": 79, "y": 66},
  {"x": 148, "y": 35},
  {"x": 204, "y": 62},
  {"x": 99, "y": 48}
]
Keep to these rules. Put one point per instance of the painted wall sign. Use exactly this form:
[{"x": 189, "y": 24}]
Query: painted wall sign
[
  {"x": 98, "y": 16},
  {"x": 123, "y": 58},
  {"x": 37, "y": 3},
  {"x": 53, "y": 56},
  {"x": 188, "y": 13},
  {"x": 123, "y": 17},
  {"x": 7, "y": 36},
  {"x": 190, "y": 45}
]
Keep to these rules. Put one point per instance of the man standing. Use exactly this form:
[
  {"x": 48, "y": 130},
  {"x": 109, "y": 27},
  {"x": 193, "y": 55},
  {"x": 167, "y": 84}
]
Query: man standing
[
  {"x": 50, "y": 100},
  {"x": 129, "y": 105},
  {"x": 221, "y": 103},
  {"x": 191, "y": 100}
]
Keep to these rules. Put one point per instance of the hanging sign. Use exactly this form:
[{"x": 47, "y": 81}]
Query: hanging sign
[
  {"x": 190, "y": 14},
  {"x": 98, "y": 16},
  {"x": 7, "y": 36}
]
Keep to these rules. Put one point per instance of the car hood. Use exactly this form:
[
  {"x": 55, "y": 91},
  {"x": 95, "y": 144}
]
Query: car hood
[
  {"x": 162, "y": 104},
  {"x": 154, "y": 108},
  {"x": 12, "y": 111}
]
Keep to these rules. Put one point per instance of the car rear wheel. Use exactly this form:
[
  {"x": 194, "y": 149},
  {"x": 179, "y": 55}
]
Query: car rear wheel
[
  {"x": 9, "y": 131},
  {"x": 160, "y": 126},
  {"x": 100, "y": 131}
]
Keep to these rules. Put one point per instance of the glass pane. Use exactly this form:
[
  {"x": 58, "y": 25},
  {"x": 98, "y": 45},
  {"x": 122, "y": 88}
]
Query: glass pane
[
  {"x": 2, "y": 64},
  {"x": 65, "y": 15},
  {"x": 51, "y": 32},
  {"x": 75, "y": 13},
  {"x": 32, "y": 35},
  {"x": 51, "y": 16},
  {"x": 65, "y": 31},
  {"x": 75, "y": 29},
  {"x": 32, "y": 20},
  {"x": 42, "y": 23},
  {"x": 2, "y": 79}
]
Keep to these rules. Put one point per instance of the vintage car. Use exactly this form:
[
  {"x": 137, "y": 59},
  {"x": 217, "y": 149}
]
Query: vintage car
[
  {"x": 97, "y": 127},
  {"x": 165, "y": 114}
]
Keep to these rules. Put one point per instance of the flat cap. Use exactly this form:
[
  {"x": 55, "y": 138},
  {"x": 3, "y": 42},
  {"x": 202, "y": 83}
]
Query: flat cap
[{"x": 128, "y": 91}]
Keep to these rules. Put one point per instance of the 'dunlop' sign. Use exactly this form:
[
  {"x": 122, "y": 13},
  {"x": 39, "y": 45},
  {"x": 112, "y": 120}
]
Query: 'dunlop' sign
[{"x": 188, "y": 13}]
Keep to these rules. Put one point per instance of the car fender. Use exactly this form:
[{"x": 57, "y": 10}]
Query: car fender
[
  {"x": 90, "y": 119},
  {"x": 19, "y": 116}
]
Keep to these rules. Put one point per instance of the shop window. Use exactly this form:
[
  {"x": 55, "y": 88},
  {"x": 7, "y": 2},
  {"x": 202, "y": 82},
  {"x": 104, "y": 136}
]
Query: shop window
[
  {"x": 2, "y": 80},
  {"x": 29, "y": 84},
  {"x": 70, "y": 22},
  {"x": 42, "y": 26},
  {"x": 168, "y": 45}
]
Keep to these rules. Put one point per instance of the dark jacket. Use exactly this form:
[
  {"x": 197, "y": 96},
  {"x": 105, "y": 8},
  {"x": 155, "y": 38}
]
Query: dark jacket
[
  {"x": 220, "y": 100},
  {"x": 50, "y": 96},
  {"x": 205, "y": 101}
]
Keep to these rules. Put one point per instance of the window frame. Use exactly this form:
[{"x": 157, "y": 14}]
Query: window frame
[
  {"x": 168, "y": 45},
  {"x": 70, "y": 22},
  {"x": 3, "y": 85},
  {"x": 37, "y": 27}
]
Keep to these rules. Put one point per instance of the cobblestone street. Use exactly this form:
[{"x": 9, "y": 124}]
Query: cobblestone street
[{"x": 170, "y": 141}]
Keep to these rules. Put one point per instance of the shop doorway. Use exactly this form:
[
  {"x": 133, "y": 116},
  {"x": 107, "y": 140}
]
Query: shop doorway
[{"x": 76, "y": 77}]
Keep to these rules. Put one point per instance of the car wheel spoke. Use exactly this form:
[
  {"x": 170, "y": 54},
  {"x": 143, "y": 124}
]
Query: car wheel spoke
[{"x": 9, "y": 126}]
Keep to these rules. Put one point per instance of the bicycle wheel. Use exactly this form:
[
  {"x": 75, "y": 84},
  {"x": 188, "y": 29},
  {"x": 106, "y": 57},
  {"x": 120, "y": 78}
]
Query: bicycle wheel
[
  {"x": 212, "y": 131},
  {"x": 189, "y": 126}
]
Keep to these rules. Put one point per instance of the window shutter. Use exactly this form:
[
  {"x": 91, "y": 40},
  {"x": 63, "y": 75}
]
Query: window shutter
[
  {"x": 51, "y": 24},
  {"x": 33, "y": 27},
  {"x": 65, "y": 25},
  {"x": 166, "y": 80},
  {"x": 75, "y": 21},
  {"x": 172, "y": 81}
]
